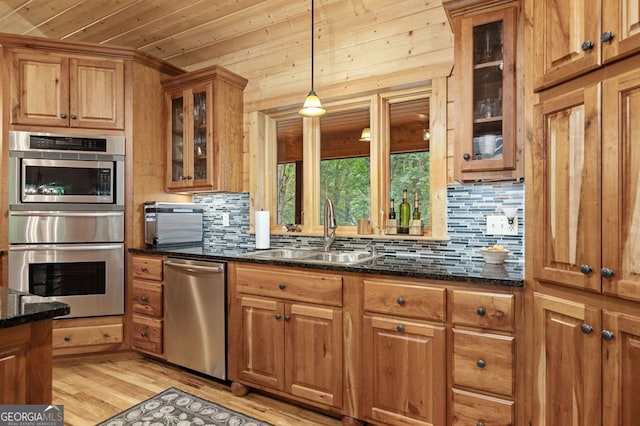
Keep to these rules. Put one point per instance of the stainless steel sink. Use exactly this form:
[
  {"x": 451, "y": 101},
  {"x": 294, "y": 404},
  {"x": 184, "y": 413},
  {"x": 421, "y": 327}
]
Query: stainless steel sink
[
  {"x": 348, "y": 258},
  {"x": 314, "y": 256}
]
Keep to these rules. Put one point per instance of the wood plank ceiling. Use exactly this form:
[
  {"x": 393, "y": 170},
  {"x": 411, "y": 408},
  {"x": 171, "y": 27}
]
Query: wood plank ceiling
[{"x": 361, "y": 45}]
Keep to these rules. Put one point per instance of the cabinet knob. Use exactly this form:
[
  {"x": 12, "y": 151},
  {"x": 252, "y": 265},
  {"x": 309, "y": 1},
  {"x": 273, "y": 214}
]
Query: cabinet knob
[
  {"x": 282, "y": 286},
  {"x": 606, "y": 335},
  {"x": 144, "y": 269},
  {"x": 144, "y": 299},
  {"x": 287, "y": 317},
  {"x": 606, "y": 36},
  {"x": 480, "y": 423},
  {"x": 73, "y": 116},
  {"x": 400, "y": 328},
  {"x": 587, "y": 45},
  {"x": 586, "y": 328},
  {"x": 481, "y": 311},
  {"x": 466, "y": 156},
  {"x": 481, "y": 363},
  {"x": 278, "y": 316},
  {"x": 585, "y": 269},
  {"x": 606, "y": 273},
  {"x": 400, "y": 300},
  {"x": 144, "y": 334},
  {"x": 63, "y": 115},
  {"x": 67, "y": 338}
]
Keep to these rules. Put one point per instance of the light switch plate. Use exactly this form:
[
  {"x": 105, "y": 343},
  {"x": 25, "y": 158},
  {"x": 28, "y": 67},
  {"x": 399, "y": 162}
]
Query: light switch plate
[
  {"x": 499, "y": 225},
  {"x": 225, "y": 219}
]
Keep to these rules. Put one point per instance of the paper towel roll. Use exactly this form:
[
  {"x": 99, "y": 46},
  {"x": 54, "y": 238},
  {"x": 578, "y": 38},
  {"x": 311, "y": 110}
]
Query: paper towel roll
[{"x": 263, "y": 226}]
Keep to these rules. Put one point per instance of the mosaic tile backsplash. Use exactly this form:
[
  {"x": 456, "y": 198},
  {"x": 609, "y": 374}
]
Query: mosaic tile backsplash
[{"x": 467, "y": 208}]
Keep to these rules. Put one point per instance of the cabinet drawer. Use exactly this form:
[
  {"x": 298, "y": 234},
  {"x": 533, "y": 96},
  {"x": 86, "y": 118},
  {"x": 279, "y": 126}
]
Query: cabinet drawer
[
  {"x": 474, "y": 409},
  {"x": 483, "y": 361},
  {"x": 99, "y": 334},
  {"x": 147, "y": 298},
  {"x": 404, "y": 299},
  {"x": 303, "y": 286},
  {"x": 486, "y": 310},
  {"x": 147, "y": 334},
  {"x": 147, "y": 268}
]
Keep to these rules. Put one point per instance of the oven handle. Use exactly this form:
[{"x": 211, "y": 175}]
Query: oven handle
[
  {"x": 65, "y": 247},
  {"x": 66, "y": 213}
]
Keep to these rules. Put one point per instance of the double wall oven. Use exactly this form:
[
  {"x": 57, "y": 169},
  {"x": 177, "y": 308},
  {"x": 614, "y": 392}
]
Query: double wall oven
[{"x": 66, "y": 220}]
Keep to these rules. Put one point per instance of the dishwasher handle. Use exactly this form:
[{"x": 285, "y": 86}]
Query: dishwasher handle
[{"x": 195, "y": 268}]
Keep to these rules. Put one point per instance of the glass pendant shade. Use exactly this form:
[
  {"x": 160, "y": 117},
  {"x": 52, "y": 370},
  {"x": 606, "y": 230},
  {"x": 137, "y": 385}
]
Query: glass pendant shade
[
  {"x": 365, "y": 136},
  {"x": 312, "y": 106}
]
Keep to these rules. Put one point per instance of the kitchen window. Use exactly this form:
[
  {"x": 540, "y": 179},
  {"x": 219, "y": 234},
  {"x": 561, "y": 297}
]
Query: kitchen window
[{"x": 302, "y": 161}]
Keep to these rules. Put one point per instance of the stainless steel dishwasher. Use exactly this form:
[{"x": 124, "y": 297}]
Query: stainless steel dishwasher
[{"x": 195, "y": 315}]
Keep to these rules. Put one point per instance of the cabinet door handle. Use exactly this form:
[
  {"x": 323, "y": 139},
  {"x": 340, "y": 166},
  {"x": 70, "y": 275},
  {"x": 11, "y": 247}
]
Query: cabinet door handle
[
  {"x": 606, "y": 36},
  {"x": 607, "y": 335},
  {"x": 144, "y": 269},
  {"x": 287, "y": 317},
  {"x": 144, "y": 299},
  {"x": 73, "y": 116},
  {"x": 480, "y": 423},
  {"x": 278, "y": 316},
  {"x": 144, "y": 334},
  {"x": 585, "y": 269},
  {"x": 400, "y": 328},
  {"x": 481, "y": 363},
  {"x": 400, "y": 300},
  {"x": 63, "y": 115},
  {"x": 466, "y": 156},
  {"x": 586, "y": 328},
  {"x": 282, "y": 286},
  {"x": 587, "y": 45},
  {"x": 606, "y": 273},
  {"x": 67, "y": 338},
  {"x": 481, "y": 311}
]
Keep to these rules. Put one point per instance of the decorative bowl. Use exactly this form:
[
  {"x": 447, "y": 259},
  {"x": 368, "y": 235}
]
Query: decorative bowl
[{"x": 494, "y": 256}]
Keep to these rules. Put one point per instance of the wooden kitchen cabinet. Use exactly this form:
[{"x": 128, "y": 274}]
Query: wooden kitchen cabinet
[
  {"x": 404, "y": 379},
  {"x": 572, "y": 41},
  {"x": 204, "y": 131},
  {"x": 290, "y": 333},
  {"x": 147, "y": 304},
  {"x": 484, "y": 356},
  {"x": 486, "y": 144},
  {"x": 587, "y": 172},
  {"x": 49, "y": 89}
]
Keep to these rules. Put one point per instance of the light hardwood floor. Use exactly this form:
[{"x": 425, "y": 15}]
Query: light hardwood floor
[{"x": 94, "y": 388}]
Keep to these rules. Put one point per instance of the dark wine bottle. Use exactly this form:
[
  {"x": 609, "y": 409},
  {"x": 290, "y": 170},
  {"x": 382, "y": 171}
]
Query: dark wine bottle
[
  {"x": 416, "y": 208},
  {"x": 392, "y": 210}
]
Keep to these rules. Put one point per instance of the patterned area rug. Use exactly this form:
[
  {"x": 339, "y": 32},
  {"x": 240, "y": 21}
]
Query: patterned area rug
[{"x": 178, "y": 408}]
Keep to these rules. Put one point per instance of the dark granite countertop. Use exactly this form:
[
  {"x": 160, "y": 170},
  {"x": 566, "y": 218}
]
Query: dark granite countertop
[
  {"x": 17, "y": 308},
  {"x": 435, "y": 268}
]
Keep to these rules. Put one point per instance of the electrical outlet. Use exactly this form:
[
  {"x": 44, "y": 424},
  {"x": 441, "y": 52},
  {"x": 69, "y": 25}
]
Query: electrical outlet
[
  {"x": 499, "y": 225},
  {"x": 225, "y": 219}
]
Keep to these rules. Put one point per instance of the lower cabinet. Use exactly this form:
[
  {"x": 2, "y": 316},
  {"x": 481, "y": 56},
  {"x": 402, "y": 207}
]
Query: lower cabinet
[
  {"x": 83, "y": 335},
  {"x": 403, "y": 358},
  {"x": 587, "y": 361},
  {"x": 287, "y": 333},
  {"x": 377, "y": 349},
  {"x": 147, "y": 305}
]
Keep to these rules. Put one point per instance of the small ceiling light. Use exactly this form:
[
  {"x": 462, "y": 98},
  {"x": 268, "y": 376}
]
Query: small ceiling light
[
  {"x": 365, "y": 136},
  {"x": 312, "y": 106}
]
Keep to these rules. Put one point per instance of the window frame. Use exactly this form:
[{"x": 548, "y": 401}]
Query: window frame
[{"x": 263, "y": 161}]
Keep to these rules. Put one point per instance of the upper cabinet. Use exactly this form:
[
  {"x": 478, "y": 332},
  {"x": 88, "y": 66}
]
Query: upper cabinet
[
  {"x": 578, "y": 36},
  {"x": 49, "y": 89},
  {"x": 204, "y": 131},
  {"x": 485, "y": 146}
]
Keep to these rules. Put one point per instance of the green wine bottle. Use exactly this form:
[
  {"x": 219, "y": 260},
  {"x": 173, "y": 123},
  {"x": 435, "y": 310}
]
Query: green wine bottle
[{"x": 405, "y": 214}]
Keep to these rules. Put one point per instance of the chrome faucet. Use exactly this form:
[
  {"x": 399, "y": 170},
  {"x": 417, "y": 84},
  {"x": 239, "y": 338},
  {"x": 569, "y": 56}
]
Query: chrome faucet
[{"x": 329, "y": 223}]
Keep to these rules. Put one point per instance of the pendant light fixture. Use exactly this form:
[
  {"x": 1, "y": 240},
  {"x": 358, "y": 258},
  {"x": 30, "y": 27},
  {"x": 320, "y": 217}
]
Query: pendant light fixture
[{"x": 312, "y": 106}]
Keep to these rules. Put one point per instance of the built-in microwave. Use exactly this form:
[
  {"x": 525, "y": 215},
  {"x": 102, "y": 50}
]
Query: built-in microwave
[{"x": 47, "y": 168}]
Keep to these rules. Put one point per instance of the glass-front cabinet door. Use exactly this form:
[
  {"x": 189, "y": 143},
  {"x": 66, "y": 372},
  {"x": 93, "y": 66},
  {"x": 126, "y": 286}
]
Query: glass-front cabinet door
[
  {"x": 189, "y": 137},
  {"x": 486, "y": 142}
]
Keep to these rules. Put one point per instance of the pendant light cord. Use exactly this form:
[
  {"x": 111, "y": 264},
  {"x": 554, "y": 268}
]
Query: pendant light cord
[{"x": 312, "y": 35}]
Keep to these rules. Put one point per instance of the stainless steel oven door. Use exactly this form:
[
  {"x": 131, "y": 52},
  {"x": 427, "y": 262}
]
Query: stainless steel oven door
[
  {"x": 37, "y": 227},
  {"x": 88, "y": 277}
]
